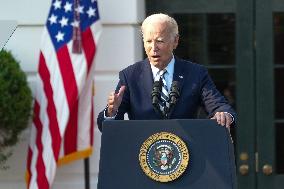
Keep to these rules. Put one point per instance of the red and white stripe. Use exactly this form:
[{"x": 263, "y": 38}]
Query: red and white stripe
[{"x": 63, "y": 110}]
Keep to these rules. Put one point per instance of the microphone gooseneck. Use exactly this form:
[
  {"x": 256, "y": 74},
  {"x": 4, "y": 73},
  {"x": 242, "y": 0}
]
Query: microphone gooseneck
[
  {"x": 156, "y": 92},
  {"x": 156, "y": 95},
  {"x": 173, "y": 96}
]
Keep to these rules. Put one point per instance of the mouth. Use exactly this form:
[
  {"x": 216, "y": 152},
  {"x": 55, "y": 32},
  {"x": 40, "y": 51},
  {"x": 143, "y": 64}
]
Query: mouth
[{"x": 156, "y": 56}]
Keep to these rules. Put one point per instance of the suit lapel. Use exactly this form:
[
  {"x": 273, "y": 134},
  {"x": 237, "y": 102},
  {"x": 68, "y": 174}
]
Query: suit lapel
[
  {"x": 179, "y": 74},
  {"x": 146, "y": 77}
]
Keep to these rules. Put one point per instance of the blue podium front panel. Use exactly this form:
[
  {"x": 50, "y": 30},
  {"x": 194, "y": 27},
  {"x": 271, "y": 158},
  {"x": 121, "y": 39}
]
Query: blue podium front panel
[{"x": 211, "y": 157}]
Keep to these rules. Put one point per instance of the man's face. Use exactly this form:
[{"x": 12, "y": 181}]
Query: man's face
[{"x": 159, "y": 44}]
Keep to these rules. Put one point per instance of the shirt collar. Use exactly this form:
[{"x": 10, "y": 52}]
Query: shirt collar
[{"x": 169, "y": 68}]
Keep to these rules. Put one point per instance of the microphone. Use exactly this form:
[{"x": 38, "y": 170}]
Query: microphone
[
  {"x": 173, "y": 95},
  {"x": 156, "y": 94}
]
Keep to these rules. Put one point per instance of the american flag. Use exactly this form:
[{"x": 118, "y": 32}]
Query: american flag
[{"x": 62, "y": 128}]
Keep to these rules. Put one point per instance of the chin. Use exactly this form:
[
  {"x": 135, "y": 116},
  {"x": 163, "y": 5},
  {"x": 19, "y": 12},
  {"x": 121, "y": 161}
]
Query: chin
[
  {"x": 155, "y": 63},
  {"x": 160, "y": 65}
]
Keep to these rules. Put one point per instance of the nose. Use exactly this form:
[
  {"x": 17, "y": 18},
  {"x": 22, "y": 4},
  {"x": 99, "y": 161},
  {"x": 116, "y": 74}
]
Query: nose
[{"x": 154, "y": 46}]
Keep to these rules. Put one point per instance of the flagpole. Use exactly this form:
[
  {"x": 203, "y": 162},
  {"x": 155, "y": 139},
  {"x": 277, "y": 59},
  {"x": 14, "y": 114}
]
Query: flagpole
[{"x": 87, "y": 172}]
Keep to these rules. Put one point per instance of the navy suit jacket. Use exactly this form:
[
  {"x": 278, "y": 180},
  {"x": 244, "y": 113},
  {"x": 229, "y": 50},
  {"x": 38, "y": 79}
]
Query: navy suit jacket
[{"x": 196, "y": 89}]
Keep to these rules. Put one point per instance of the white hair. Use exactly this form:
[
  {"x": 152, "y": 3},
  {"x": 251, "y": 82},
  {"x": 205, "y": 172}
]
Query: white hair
[{"x": 162, "y": 18}]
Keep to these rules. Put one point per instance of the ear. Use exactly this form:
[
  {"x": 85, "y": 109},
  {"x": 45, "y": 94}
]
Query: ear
[{"x": 176, "y": 40}]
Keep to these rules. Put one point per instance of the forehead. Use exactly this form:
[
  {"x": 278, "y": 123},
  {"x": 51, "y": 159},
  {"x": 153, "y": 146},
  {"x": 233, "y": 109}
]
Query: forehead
[{"x": 156, "y": 29}]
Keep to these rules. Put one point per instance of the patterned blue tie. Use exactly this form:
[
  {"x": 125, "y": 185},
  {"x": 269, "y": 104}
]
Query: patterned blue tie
[{"x": 164, "y": 93}]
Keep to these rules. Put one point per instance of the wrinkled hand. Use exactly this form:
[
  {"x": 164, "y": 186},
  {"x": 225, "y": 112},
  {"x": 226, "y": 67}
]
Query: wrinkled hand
[
  {"x": 114, "y": 101},
  {"x": 223, "y": 118}
]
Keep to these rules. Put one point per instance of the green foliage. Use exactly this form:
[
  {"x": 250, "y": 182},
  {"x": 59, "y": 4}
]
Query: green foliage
[{"x": 15, "y": 102}]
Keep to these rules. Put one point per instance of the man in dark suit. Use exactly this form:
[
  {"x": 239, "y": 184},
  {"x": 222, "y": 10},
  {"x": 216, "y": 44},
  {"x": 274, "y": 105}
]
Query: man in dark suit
[{"x": 133, "y": 92}]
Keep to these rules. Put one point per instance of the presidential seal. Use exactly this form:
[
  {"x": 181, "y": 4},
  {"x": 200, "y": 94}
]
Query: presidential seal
[{"x": 164, "y": 157}]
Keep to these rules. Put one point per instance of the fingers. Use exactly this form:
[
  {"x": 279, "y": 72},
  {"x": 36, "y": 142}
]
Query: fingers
[
  {"x": 121, "y": 91},
  {"x": 119, "y": 95},
  {"x": 229, "y": 120},
  {"x": 110, "y": 104},
  {"x": 114, "y": 101},
  {"x": 223, "y": 118}
]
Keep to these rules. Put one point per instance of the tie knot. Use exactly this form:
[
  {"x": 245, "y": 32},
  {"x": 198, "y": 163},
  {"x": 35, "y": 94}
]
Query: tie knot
[{"x": 163, "y": 72}]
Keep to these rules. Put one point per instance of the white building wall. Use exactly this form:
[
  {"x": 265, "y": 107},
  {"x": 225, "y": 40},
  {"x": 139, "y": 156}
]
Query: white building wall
[{"x": 119, "y": 47}]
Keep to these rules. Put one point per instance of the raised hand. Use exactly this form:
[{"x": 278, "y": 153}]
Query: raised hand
[{"x": 114, "y": 101}]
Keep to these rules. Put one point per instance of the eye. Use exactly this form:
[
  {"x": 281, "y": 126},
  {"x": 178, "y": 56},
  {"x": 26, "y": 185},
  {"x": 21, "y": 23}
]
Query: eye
[
  {"x": 148, "y": 41},
  {"x": 160, "y": 41}
]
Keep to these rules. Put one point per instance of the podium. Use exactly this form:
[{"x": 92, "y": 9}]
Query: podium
[{"x": 211, "y": 163}]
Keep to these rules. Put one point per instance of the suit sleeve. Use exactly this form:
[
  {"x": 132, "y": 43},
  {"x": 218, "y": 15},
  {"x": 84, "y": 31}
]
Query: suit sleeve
[
  {"x": 124, "y": 106},
  {"x": 212, "y": 99}
]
